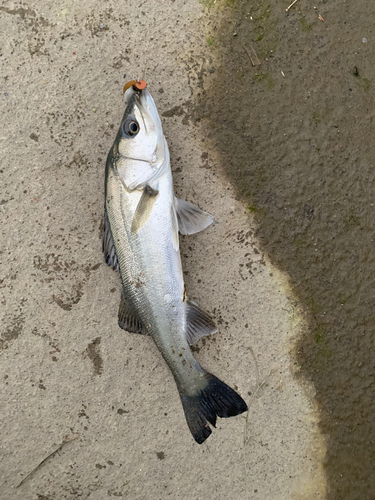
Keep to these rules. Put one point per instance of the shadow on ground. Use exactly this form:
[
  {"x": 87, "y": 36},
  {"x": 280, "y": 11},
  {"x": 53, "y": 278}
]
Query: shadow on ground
[{"x": 295, "y": 134}]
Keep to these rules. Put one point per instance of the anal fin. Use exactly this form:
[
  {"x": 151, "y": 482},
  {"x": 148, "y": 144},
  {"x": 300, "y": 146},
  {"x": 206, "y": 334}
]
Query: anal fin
[
  {"x": 198, "y": 323},
  {"x": 128, "y": 320}
]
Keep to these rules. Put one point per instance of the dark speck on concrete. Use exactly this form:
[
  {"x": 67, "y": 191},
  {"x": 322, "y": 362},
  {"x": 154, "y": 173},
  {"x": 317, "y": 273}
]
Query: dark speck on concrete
[
  {"x": 176, "y": 111},
  {"x": 93, "y": 352}
]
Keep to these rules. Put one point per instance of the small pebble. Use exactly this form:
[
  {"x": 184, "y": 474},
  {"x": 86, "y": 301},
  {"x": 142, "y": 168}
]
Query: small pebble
[{"x": 364, "y": 40}]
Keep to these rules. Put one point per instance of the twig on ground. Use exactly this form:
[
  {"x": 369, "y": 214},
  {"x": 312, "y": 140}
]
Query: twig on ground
[
  {"x": 291, "y": 5},
  {"x": 256, "y": 364},
  {"x": 247, "y": 437},
  {"x": 65, "y": 440},
  {"x": 255, "y": 61}
]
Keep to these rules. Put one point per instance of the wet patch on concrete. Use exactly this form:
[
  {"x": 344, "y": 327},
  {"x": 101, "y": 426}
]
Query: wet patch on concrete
[
  {"x": 66, "y": 303},
  {"x": 55, "y": 267},
  {"x": 12, "y": 331},
  {"x": 36, "y": 25}
]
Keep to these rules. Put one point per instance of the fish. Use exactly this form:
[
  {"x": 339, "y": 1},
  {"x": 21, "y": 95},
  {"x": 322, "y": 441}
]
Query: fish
[{"x": 142, "y": 222}]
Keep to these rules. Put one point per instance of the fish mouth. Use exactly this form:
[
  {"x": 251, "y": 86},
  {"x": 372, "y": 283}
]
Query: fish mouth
[
  {"x": 140, "y": 104},
  {"x": 136, "y": 94},
  {"x": 134, "y": 91},
  {"x": 136, "y": 84},
  {"x": 131, "y": 96}
]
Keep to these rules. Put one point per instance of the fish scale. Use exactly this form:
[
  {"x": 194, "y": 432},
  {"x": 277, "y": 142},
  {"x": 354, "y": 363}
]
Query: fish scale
[{"x": 163, "y": 270}]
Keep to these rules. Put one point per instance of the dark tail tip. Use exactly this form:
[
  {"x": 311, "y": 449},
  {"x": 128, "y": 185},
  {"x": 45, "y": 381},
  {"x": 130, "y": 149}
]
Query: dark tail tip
[{"x": 215, "y": 400}]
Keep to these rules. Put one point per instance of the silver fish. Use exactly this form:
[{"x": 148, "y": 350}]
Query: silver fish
[{"x": 140, "y": 239}]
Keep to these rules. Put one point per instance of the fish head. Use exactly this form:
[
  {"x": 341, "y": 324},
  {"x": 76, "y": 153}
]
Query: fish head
[{"x": 141, "y": 134}]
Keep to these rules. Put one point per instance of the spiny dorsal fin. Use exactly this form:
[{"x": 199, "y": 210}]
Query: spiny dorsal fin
[
  {"x": 191, "y": 219},
  {"x": 144, "y": 208},
  {"x": 198, "y": 323},
  {"x": 108, "y": 247},
  {"x": 128, "y": 320}
]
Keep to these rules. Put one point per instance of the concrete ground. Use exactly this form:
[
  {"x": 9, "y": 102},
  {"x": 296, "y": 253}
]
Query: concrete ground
[{"x": 69, "y": 375}]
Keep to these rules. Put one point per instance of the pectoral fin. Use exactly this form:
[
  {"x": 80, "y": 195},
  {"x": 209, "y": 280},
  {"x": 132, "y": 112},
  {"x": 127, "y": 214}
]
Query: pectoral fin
[
  {"x": 175, "y": 238},
  {"x": 144, "y": 208},
  {"x": 198, "y": 323},
  {"x": 108, "y": 247},
  {"x": 191, "y": 219},
  {"x": 128, "y": 320}
]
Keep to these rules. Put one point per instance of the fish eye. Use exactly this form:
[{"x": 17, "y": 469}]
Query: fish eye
[
  {"x": 133, "y": 128},
  {"x": 130, "y": 128}
]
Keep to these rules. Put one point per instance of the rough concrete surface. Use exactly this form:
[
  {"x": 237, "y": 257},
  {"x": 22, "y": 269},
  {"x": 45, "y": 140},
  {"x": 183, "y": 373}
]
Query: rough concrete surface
[{"x": 67, "y": 370}]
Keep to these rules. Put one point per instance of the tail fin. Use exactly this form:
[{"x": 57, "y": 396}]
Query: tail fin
[{"x": 216, "y": 399}]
